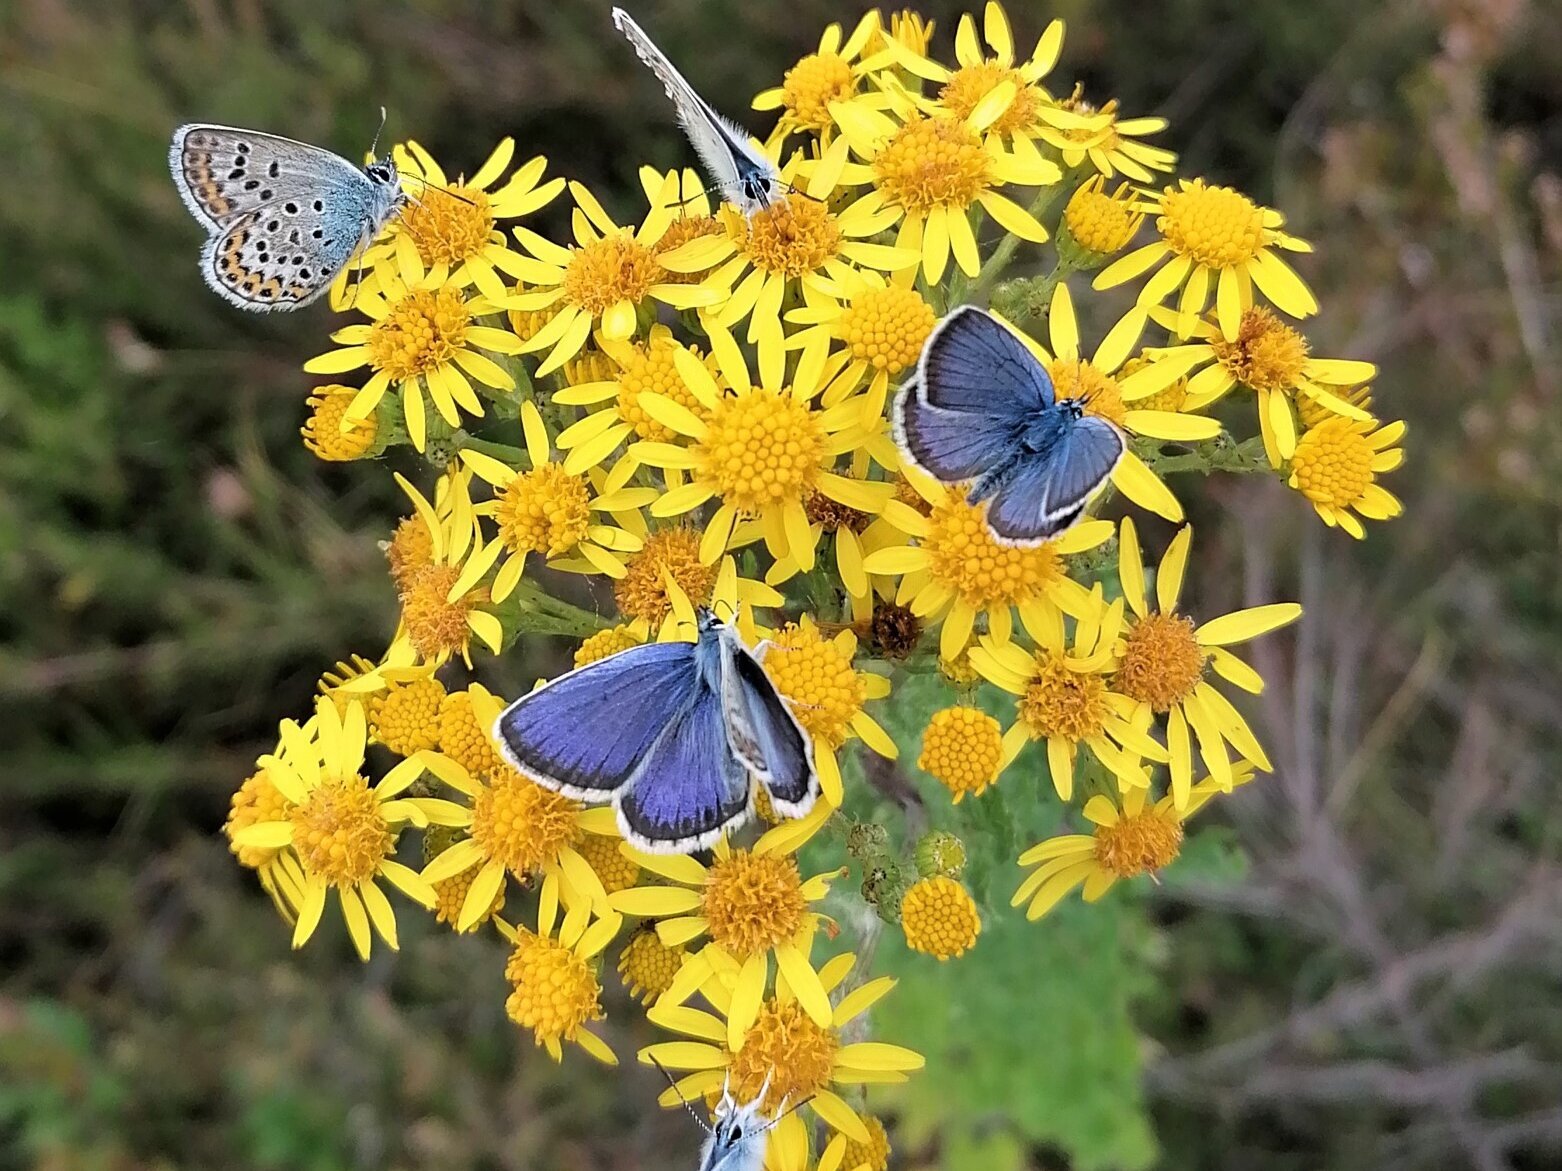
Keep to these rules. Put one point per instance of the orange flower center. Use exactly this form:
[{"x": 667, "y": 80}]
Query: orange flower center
[{"x": 1162, "y": 661}]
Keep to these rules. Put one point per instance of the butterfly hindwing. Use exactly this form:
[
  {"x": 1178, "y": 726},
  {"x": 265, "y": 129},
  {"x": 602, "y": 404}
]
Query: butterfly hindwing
[
  {"x": 765, "y": 734},
  {"x": 951, "y": 446},
  {"x": 688, "y": 788},
  {"x": 974, "y": 364},
  {"x": 275, "y": 259},
  {"x": 585, "y": 733},
  {"x": 1047, "y": 492}
]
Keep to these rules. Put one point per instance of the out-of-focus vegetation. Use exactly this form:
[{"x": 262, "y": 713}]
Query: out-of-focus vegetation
[{"x": 1381, "y": 989}]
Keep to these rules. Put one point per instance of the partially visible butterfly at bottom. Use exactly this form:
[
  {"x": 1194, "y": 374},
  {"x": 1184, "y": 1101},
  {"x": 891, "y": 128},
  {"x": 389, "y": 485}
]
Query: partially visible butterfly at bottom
[
  {"x": 981, "y": 409},
  {"x": 735, "y": 1137},
  {"x": 669, "y": 733}
]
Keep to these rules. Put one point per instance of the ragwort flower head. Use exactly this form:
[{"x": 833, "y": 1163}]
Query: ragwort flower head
[
  {"x": 1217, "y": 242},
  {"x": 779, "y": 1041},
  {"x": 1164, "y": 659},
  {"x": 340, "y": 829}
]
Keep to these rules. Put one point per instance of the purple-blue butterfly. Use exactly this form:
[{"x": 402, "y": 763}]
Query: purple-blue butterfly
[
  {"x": 668, "y": 733},
  {"x": 981, "y": 410}
]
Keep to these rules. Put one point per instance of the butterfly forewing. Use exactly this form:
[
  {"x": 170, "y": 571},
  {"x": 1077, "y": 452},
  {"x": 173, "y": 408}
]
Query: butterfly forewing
[
  {"x": 224, "y": 172},
  {"x": 585, "y": 733},
  {"x": 973, "y": 363}
]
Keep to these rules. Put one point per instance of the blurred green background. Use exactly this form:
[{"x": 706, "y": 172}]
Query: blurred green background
[{"x": 1360, "y": 967}]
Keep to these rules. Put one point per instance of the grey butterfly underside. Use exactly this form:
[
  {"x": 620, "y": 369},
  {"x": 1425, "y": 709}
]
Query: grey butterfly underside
[
  {"x": 284, "y": 217},
  {"x": 743, "y": 175}
]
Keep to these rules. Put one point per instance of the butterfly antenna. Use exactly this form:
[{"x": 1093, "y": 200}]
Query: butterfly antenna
[
  {"x": 693, "y": 1113},
  {"x": 444, "y": 190},
  {"x": 375, "y": 144},
  {"x": 792, "y": 1109},
  {"x": 791, "y": 190}
]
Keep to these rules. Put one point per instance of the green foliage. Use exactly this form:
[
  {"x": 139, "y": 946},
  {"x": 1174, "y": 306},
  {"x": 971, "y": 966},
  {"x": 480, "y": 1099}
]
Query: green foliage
[{"x": 1029, "y": 1036}]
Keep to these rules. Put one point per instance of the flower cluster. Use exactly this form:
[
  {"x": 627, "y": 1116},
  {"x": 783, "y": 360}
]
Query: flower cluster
[{"x": 688, "y": 406}]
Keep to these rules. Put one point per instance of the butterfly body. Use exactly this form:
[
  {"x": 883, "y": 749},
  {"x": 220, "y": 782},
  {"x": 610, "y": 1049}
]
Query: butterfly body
[
  {"x": 669, "y": 734},
  {"x": 743, "y": 175},
  {"x": 737, "y": 1138},
  {"x": 981, "y": 410},
  {"x": 283, "y": 218}
]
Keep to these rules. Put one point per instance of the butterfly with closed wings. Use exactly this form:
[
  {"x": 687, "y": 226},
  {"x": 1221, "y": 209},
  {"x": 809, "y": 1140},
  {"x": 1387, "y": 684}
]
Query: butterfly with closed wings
[
  {"x": 981, "y": 410},
  {"x": 668, "y": 733},
  {"x": 283, "y": 217},
  {"x": 737, "y": 169}
]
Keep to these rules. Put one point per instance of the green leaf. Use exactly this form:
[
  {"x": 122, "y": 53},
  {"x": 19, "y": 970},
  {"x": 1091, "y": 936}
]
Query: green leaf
[{"x": 1028, "y": 1036}]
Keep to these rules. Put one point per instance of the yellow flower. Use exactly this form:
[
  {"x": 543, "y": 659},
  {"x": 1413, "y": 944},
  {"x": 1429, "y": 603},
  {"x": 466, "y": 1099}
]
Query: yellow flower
[
  {"x": 420, "y": 338},
  {"x": 608, "y": 274},
  {"x": 962, "y": 749},
  {"x": 257, "y": 800},
  {"x": 555, "y": 990},
  {"x": 881, "y": 327},
  {"x": 448, "y": 233},
  {"x": 327, "y": 432},
  {"x": 928, "y": 174},
  {"x": 939, "y": 917},
  {"x": 958, "y": 571},
  {"x": 452, "y": 892},
  {"x": 518, "y": 828},
  {"x": 750, "y": 904},
  {"x": 797, "y": 247},
  {"x": 1162, "y": 662},
  {"x": 828, "y": 75},
  {"x": 1130, "y": 839},
  {"x": 774, "y": 1039},
  {"x": 405, "y": 717},
  {"x": 845, "y": 1154},
  {"x": 1097, "y": 224},
  {"x": 341, "y": 830},
  {"x": 1268, "y": 357},
  {"x": 651, "y": 366},
  {"x": 667, "y": 576},
  {"x": 1214, "y": 241},
  {"x": 1002, "y": 95},
  {"x": 827, "y": 695},
  {"x": 648, "y": 966},
  {"x": 463, "y": 732},
  {"x": 1336, "y": 465},
  {"x": 548, "y": 510},
  {"x": 760, "y": 450},
  {"x": 442, "y": 605},
  {"x": 1065, "y": 696},
  {"x": 1100, "y": 138},
  {"x": 606, "y": 643}
]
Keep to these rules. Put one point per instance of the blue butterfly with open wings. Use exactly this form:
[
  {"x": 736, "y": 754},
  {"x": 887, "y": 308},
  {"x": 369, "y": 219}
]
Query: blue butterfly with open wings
[
  {"x": 669, "y": 733},
  {"x": 981, "y": 410}
]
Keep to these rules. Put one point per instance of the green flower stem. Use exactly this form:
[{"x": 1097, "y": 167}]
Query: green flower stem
[
  {"x": 1220, "y": 454},
  {"x": 503, "y": 452},
  {"x": 1003, "y": 254},
  {"x": 531, "y": 610}
]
